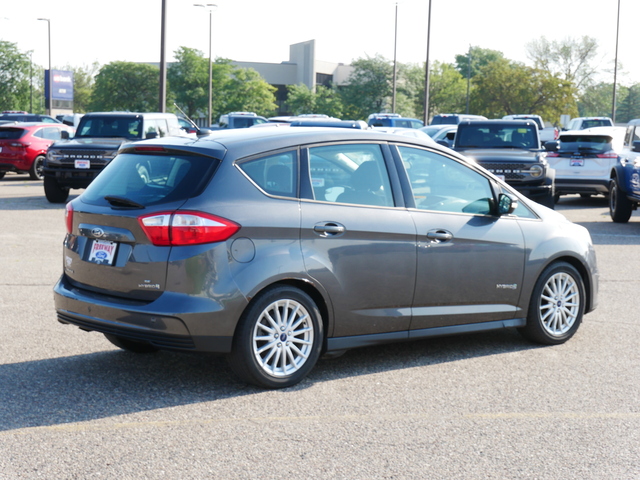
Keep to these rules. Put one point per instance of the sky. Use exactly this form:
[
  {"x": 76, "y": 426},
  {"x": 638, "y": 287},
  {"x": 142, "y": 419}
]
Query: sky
[{"x": 88, "y": 31}]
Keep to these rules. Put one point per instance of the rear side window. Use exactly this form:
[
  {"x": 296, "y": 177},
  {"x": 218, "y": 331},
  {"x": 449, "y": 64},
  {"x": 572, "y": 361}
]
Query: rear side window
[
  {"x": 275, "y": 174},
  {"x": 151, "y": 179},
  {"x": 354, "y": 174},
  {"x": 50, "y": 133}
]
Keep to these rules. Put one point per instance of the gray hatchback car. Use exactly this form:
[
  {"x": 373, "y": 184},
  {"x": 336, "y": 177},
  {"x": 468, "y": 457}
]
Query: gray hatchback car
[{"x": 276, "y": 246}]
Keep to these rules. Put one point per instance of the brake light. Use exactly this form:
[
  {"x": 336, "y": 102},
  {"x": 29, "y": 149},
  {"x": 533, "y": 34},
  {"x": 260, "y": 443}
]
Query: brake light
[
  {"x": 68, "y": 217},
  {"x": 607, "y": 155},
  {"x": 150, "y": 149},
  {"x": 186, "y": 228}
]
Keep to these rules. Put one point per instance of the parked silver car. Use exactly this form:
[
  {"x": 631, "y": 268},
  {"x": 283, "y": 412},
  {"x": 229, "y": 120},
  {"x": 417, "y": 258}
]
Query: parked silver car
[{"x": 276, "y": 246}]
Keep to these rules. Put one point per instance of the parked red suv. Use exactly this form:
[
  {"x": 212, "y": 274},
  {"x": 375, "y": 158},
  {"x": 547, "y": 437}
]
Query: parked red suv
[{"x": 23, "y": 146}]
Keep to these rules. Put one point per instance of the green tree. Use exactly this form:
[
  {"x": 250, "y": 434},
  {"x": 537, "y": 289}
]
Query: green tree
[
  {"x": 504, "y": 87},
  {"x": 596, "y": 100},
  {"x": 325, "y": 100},
  {"x": 627, "y": 102},
  {"x": 126, "y": 86},
  {"x": 447, "y": 90},
  {"x": 188, "y": 78},
  {"x": 570, "y": 59},
  {"x": 370, "y": 87},
  {"x": 83, "y": 83},
  {"x": 245, "y": 90},
  {"x": 470, "y": 63},
  {"x": 15, "y": 78},
  {"x": 301, "y": 99}
]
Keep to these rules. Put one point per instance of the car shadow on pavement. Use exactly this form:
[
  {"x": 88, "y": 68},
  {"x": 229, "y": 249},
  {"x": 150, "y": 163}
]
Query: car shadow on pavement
[{"x": 105, "y": 384}]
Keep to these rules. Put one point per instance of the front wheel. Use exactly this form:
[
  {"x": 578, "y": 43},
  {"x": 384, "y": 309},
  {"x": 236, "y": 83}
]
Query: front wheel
[
  {"x": 557, "y": 305},
  {"x": 278, "y": 339},
  {"x": 620, "y": 206},
  {"x": 54, "y": 192},
  {"x": 35, "y": 172}
]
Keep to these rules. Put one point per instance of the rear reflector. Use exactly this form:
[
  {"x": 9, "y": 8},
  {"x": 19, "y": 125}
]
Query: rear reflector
[
  {"x": 68, "y": 217},
  {"x": 186, "y": 228}
]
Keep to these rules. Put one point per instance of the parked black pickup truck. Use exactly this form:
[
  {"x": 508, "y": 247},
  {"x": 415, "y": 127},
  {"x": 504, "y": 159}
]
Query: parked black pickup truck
[{"x": 510, "y": 149}]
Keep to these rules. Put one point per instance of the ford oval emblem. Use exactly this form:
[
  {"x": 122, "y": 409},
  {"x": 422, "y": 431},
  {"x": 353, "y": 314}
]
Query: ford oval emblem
[{"x": 97, "y": 232}]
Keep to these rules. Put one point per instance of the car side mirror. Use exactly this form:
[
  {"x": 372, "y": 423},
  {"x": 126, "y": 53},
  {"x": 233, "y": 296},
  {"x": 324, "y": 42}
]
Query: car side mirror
[
  {"x": 506, "y": 204},
  {"x": 151, "y": 135},
  {"x": 64, "y": 135},
  {"x": 444, "y": 143},
  {"x": 636, "y": 146}
]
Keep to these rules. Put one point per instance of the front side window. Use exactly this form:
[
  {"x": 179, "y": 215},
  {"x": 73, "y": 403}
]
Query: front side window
[
  {"x": 443, "y": 184},
  {"x": 275, "y": 174},
  {"x": 354, "y": 174}
]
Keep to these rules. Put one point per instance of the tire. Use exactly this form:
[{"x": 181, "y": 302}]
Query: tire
[
  {"x": 278, "y": 339},
  {"x": 54, "y": 192},
  {"x": 35, "y": 172},
  {"x": 557, "y": 305},
  {"x": 2, "y": 174},
  {"x": 130, "y": 345},
  {"x": 548, "y": 201},
  {"x": 620, "y": 206}
]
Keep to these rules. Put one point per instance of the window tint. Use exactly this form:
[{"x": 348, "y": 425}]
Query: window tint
[
  {"x": 151, "y": 179},
  {"x": 275, "y": 174},
  {"x": 497, "y": 136},
  {"x": 440, "y": 183},
  {"x": 350, "y": 174},
  {"x": 581, "y": 143}
]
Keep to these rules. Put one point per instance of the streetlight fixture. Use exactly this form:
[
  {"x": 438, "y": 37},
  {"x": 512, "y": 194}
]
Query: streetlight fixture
[
  {"x": 211, "y": 7},
  {"x": 50, "y": 85}
]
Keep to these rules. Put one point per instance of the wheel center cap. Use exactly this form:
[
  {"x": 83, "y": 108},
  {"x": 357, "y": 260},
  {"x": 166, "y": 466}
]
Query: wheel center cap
[{"x": 283, "y": 337}]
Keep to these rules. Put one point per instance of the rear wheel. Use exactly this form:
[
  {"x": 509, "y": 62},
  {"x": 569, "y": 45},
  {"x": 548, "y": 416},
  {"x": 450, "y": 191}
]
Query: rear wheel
[
  {"x": 130, "y": 345},
  {"x": 278, "y": 339},
  {"x": 620, "y": 206},
  {"x": 35, "y": 172},
  {"x": 557, "y": 305},
  {"x": 54, "y": 192}
]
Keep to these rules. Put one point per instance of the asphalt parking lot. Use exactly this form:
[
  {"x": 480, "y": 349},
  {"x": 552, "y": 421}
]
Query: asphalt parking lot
[{"x": 490, "y": 405}]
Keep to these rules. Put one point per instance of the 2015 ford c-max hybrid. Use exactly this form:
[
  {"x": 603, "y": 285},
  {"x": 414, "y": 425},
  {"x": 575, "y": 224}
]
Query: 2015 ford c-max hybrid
[{"x": 275, "y": 246}]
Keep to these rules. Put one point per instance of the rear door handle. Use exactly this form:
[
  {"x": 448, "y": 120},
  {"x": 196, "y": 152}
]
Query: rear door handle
[
  {"x": 329, "y": 229},
  {"x": 438, "y": 236}
]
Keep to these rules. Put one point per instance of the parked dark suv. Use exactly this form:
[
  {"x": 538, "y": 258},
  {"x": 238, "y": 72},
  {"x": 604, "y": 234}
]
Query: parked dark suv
[{"x": 275, "y": 245}]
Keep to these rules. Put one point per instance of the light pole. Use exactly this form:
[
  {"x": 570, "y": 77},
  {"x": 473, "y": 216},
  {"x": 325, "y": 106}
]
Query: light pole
[
  {"x": 426, "y": 70},
  {"x": 162, "y": 102},
  {"x": 395, "y": 63},
  {"x": 210, "y": 7},
  {"x": 50, "y": 85},
  {"x": 615, "y": 69}
]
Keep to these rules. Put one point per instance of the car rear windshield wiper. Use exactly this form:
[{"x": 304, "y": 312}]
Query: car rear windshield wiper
[{"x": 122, "y": 202}]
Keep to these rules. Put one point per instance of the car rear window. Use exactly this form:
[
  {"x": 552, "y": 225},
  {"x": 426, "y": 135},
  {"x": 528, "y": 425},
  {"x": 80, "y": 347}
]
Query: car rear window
[
  {"x": 11, "y": 133},
  {"x": 585, "y": 142},
  {"x": 151, "y": 179}
]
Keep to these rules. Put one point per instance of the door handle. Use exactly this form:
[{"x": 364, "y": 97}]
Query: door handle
[
  {"x": 438, "y": 236},
  {"x": 329, "y": 229}
]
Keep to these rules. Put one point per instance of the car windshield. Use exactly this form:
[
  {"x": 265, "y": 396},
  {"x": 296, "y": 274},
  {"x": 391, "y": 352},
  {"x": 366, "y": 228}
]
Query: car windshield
[
  {"x": 110, "y": 127},
  {"x": 595, "y": 143},
  {"x": 498, "y": 136}
]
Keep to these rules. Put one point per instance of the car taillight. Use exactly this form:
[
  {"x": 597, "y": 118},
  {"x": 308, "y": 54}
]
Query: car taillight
[
  {"x": 186, "y": 228},
  {"x": 552, "y": 154},
  {"x": 607, "y": 155},
  {"x": 68, "y": 217}
]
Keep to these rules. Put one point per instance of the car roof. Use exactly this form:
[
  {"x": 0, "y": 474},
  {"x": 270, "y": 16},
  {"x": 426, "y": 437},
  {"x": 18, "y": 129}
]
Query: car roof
[
  {"x": 248, "y": 141},
  {"x": 32, "y": 124},
  {"x": 498, "y": 121}
]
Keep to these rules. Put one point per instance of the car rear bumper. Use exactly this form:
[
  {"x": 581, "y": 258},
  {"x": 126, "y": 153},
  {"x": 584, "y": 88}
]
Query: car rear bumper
[
  {"x": 583, "y": 185},
  {"x": 201, "y": 324}
]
